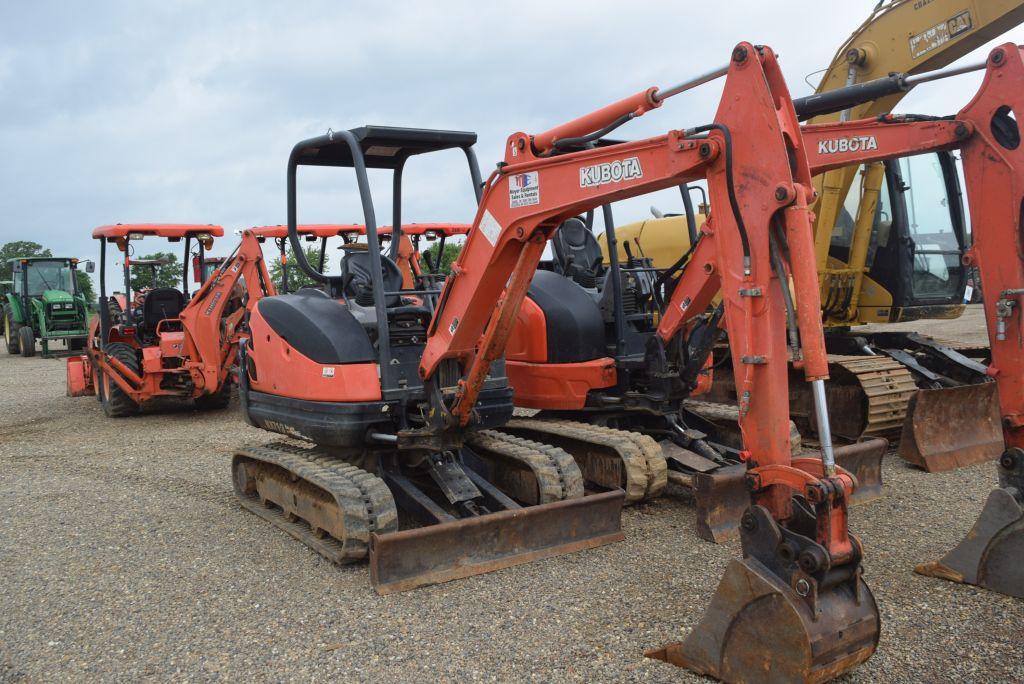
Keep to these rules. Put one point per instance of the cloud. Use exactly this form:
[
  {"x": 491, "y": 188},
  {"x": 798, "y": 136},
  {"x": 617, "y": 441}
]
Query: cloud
[{"x": 186, "y": 111}]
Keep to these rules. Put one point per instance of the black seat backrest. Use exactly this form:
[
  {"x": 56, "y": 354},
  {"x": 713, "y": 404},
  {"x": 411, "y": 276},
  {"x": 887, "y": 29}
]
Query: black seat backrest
[
  {"x": 161, "y": 303},
  {"x": 577, "y": 252},
  {"x": 355, "y": 273}
]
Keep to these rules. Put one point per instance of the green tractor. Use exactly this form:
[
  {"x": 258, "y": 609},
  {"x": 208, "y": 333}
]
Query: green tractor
[{"x": 43, "y": 302}]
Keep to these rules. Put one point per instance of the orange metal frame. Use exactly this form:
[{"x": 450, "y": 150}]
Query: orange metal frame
[
  {"x": 771, "y": 181},
  {"x": 208, "y": 341}
]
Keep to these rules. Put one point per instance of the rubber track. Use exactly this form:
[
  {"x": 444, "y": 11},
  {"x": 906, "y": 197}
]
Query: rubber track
[
  {"x": 558, "y": 477},
  {"x": 363, "y": 498},
  {"x": 730, "y": 413},
  {"x": 643, "y": 462}
]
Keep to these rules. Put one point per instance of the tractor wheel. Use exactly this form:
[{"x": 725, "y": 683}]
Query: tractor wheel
[
  {"x": 117, "y": 404},
  {"x": 27, "y": 341},
  {"x": 10, "y": 332},
  {"x": 218, "y": 400}
]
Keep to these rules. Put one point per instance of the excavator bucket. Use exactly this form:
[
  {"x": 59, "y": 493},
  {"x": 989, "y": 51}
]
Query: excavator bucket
[
  {"x": 758, "y": 628},
  {"x": 952, "y": 427},
  {"x": 864, "y": 460},
  {"x": 404, "y": 560},
  {"x": 992, "y": 553}
]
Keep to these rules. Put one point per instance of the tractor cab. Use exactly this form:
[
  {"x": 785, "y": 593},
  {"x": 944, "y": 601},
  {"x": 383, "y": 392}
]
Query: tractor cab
[
  {"x": 44, "y": 303},
  {"x": 139, "y": 314}
]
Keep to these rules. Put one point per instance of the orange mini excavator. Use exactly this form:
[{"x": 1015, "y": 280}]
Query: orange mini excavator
[
  {"x": 987, "y": 134},
  {"x": 397, "y": 396}
]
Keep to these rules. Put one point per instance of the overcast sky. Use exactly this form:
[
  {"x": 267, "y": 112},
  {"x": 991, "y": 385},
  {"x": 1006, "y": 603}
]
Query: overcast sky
[{"x": 186, "y": 111}]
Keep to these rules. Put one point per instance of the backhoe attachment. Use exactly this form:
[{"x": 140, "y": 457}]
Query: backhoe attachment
[{"x": 990, "y": 555}]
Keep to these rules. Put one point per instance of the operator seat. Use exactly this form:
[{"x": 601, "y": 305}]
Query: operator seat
[
  {"x": 357, "y": 282},
  {"x": 577, "y": 253},
  {"x": 161, "y": 304}
]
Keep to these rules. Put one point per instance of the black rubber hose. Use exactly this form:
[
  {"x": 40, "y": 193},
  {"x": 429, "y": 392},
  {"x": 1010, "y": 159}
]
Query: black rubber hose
[{"x": 731, "y": 187}]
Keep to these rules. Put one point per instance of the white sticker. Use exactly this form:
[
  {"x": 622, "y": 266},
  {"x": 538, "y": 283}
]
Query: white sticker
[
  {"x": 940, "y": 34},
  {"x": 523, "y": 189},
  {"x": 490, "y": 228},
  {"x": 610, "y": 172},
  {"x": 454, "y": 326},
  {"x": 968, "y": 293},
  {"x": 328, "y": 372}
]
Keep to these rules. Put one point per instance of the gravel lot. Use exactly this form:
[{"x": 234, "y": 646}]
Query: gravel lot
[{"x": 124, "y": 556}]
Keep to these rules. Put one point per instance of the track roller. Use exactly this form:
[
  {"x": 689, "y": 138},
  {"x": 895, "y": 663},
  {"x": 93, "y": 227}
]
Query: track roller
[{"x": 327, "y": 504}]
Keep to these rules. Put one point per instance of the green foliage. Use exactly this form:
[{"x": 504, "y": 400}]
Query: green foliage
[
  {"x": 167, "y": 275},
  {"x": 19, "y": 248},
  {"x": 296, "y": 277},
  {"x": 451, "y": 253},
  {"x": 85, "y": 288}
]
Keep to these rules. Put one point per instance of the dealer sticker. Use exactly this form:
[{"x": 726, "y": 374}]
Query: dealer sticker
[
  {"x": 523, "y": 189},
  {"x": 328, "y": 372}
]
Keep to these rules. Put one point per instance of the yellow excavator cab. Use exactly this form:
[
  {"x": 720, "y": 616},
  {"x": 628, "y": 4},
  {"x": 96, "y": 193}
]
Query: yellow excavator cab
[{"x": 662, "y": 240}]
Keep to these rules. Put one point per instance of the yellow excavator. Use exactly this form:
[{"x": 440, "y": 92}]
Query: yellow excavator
[{"x": 892, "y": 251}]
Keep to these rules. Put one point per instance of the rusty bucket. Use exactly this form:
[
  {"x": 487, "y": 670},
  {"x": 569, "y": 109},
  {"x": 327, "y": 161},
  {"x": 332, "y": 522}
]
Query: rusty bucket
[
  {"x": 864, "y": 460},
  {"x": 759, "y": 628},
  {"x": 992, "y": 554},
  {"x": 952, "y": 427}
]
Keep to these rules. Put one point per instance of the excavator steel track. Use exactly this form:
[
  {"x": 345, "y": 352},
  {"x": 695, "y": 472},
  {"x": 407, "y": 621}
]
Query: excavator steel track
[
  {"x": 608, "y": 457},
  {"x": 887, "y": 387},
  {"x": 329, "y": 505},
  {"x": 553, "y": 474}
]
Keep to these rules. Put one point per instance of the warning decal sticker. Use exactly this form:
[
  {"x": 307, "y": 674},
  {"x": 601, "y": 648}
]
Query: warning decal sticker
[
  {"x": 523, "y": 189},
  {"x": 490, "y": 228}
]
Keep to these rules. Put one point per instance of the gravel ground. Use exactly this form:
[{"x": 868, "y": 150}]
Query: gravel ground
[{"x": 123, "y": 556}]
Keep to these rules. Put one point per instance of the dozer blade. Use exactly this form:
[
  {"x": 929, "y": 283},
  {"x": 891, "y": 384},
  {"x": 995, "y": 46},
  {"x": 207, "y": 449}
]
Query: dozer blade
[
  {"x": 400, "y": 561},
  {"x": 721, "y": 498},
  {"x": 762, "y": 628},
  {"x": 952, "y": 427},
  {"x": 864, "y": 460},
  {"x": 992, "y": 553}
]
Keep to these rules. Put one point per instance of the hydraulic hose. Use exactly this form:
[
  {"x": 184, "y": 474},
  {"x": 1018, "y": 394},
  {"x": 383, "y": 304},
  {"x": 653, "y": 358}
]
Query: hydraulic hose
[{"x": 730, "y": 186}]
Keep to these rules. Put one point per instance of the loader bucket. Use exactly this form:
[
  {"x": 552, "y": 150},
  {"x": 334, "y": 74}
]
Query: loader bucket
[
  {"x": 400, "y": 561},
  {"x": 952, "y": 427},
  {"x": 79, "y": 379},
  {"x": 762, "y": 628},
  {"x": 864, "y": 460},
  {"x": 992, "y": 554}
]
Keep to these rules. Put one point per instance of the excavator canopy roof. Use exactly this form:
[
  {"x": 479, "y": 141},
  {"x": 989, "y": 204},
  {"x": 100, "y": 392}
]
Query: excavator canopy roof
[
  {"x": 164, "y": 230},
  {"x": 326, "y": 230},
  {"x": 383, "y": 147}
]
